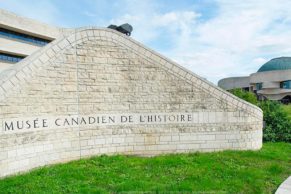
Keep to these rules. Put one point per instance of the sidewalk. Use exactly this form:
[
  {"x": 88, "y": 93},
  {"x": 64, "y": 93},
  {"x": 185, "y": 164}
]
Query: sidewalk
[{"x": 285, "y": 187}]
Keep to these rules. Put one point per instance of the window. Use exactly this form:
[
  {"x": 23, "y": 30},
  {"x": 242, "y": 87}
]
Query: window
[
  {"x": 285, "y": 84},
  {"x": 23, "y": 37},
  {"x": 10, "y": 58},
  {"x": 259, "y": 86},
  {"x": 247, "y": 89}
]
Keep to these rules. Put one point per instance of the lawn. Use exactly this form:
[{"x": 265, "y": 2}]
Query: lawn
[{"x": 221, "y": 172}]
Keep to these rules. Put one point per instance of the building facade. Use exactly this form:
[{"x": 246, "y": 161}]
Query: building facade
[
  {"x": 272, "y": 81},
  {"x": 20, "y": 37}
]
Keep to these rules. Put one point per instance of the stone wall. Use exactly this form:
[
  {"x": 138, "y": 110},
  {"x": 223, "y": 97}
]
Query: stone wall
[{"x": 100, "y": 71}]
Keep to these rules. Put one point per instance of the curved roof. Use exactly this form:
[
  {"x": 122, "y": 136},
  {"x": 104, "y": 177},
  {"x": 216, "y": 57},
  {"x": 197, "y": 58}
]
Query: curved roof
[{"x": 281, "y": 63}]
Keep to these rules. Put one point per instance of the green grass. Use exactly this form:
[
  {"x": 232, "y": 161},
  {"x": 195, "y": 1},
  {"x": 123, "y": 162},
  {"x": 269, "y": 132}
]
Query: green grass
[
  {"x": 221, "y": 172},
  {"x": 287, "y": 109}
]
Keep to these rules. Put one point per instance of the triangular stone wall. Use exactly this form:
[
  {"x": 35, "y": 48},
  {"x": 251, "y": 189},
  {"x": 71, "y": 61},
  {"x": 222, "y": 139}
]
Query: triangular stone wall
[{"x": 97, "y": 91}]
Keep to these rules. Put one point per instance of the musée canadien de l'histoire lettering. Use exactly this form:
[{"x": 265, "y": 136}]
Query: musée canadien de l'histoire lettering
[{"x": 67, "y": 94}]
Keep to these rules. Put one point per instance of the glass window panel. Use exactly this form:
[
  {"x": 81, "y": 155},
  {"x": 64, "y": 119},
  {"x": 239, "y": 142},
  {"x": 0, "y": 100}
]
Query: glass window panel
[
  {"x": 23, "y": 37},
  {"x": 285, "y": 84},
  {"x": 259, "y": 86},
  {"x": 10, "y": 58}
]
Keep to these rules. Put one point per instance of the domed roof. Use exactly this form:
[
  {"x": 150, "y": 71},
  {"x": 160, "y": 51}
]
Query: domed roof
[{"x": 281, "y": 63}]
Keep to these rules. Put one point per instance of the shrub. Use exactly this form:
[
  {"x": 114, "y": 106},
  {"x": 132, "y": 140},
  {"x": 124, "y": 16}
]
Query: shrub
[
  {"x": 247, "y": 96},
  {"x": 277, "y": 125}
]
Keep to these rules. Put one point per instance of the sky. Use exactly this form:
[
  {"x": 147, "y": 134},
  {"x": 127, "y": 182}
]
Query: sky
[{"x": 212, "y": 38}]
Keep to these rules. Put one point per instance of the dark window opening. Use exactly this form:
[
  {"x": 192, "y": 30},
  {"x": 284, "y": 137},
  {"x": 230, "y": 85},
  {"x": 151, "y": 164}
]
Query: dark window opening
[
  {"x": 286, "y": 99},
  {"x": 285, "y": 84},
  {"x": 10, "y": 58},
  {"x": 23, "y": 37},
  {"x": 247, "y": 89},
  {"x": 259, "y": 86}
]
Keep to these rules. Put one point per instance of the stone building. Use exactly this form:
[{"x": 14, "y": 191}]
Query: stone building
[
  {"x": 20, "y": 37},
  {"x": 97, "y": 91},
  {"x": 272, "y": 81}
]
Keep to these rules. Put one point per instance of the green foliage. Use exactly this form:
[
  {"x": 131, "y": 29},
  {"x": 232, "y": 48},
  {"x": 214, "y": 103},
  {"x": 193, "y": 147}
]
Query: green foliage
[
  {"x": 278, "y": 126},
  {"x": 247, "y": 96},
  {"x": 276, "y": 118},
  {"x": 220, "y": 172},
  {"x": 287, "y": 109}
]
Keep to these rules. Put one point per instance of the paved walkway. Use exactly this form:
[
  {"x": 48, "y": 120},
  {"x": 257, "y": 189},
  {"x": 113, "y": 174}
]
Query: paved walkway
[{"x": 285, "y": 187}]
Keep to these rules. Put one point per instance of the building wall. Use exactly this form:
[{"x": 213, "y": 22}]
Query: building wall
[
  {"x": 21, "y": 24},
  {"x": 271, "y": 83},
  {"x": 101, "y": 71},
  {"x": 234, "y": 82},
  {"x": 17, "y": 47},
  {"x": 4, "y": 66},
  {"x": 270, "y": 76},
  {"x": 15, "y": 23}
]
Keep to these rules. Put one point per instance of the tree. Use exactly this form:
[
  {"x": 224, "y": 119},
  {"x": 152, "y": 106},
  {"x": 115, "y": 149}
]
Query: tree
[{"x": 247, "y": 96}]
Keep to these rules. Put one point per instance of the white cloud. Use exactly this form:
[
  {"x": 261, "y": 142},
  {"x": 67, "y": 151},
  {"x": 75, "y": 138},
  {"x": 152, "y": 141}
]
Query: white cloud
[
  {"x": 259, "y": 61},
  {"x": 149, "y": 27},
  {"x": 236, "y": 40}
]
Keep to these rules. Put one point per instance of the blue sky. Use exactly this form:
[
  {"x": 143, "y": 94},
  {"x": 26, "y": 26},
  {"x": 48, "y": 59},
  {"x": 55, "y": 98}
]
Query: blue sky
[{"x": 212, "y": 38}]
